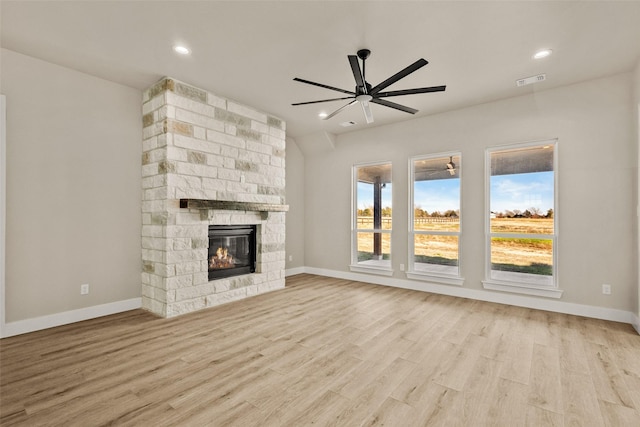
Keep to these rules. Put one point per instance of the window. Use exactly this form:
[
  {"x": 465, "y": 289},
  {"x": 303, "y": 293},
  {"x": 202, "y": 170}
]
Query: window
[
  {"x": 521, "y": 219},
  {"x": 372, "y": 220},
  {"x": 435, "y": 218}
]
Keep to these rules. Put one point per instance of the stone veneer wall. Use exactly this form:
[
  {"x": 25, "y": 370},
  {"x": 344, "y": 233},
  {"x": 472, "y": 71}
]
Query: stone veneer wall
[{"x": 200, "y": 146}]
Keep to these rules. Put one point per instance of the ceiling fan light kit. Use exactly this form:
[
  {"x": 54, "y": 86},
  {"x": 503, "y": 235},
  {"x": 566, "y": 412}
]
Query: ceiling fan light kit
[{"x": 365, "y": 94}]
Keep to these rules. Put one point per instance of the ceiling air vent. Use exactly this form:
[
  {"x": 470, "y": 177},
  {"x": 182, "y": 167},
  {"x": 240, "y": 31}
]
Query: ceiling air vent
[
  {"x": 347, "y": 124},
  {"x": 531, "y": 80}
]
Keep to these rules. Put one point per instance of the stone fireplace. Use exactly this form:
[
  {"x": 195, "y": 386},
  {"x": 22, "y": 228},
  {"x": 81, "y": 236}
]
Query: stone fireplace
[{"x": 208, "y": 162}]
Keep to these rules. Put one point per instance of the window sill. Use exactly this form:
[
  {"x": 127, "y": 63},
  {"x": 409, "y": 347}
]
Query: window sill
[
  {"x": 523, "y": 288},
  {"x": 381, "y": 271},
  {"x": 435, "y": 278}
]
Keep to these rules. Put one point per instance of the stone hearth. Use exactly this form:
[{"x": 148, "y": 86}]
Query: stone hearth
[{"x": 227, "y": 162}]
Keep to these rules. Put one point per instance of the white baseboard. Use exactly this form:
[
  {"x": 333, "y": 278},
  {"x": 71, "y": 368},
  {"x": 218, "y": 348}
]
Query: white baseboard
[
  {"x": 603, "y": 313},
  {"x": 294, "y": 271},
  {"x": 44, "y": 322}
]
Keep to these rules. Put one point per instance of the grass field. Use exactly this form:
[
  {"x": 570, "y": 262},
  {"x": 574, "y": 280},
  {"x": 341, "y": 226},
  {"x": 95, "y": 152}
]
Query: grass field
[{"x": 523, "y": 255}]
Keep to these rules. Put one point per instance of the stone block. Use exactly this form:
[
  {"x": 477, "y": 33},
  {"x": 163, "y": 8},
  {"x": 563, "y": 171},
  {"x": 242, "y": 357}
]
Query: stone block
[
  {"x": 223, "y": 138},
  {"x": 155, "y": 102},
  {"x": 199, "y": 132},
  {"x": 196, "y": 170},
  {"x": 216, "y": 101},
  {"x": 188, "y": 267},
  {"x": 275, "y": 122},
  {"x": 203, "y": 121},
  {"x": 178, "y": 282},
  {"x": 249, "y": 134},
  {"x": 182, "y": 307},
  {"x": 245, "y": 111},
  {"x": 260, "y": 127},
  {"x": 278, "y": 133},
  {"x": 196, "y": 157},
  {"x": 153, "y": 130},
  {"x": 154, "y": 306},
  {"x": 149, "y": 143},
  {"x": 196, "y": 144},
  {"x": 176, "y": 153},
  {"x": 229, "y": 152},
  {"x": 194, "y": 193},
  {"x": 200, "y": 243},
  {"x": 201, "y": 277},
  {"x": 184, "y": 181},
  {"x": 221, "y": 285},
  {"x": 190, "y": 92},
  {"x": 166, "y": 112},
  {"x": 191, "y": 255},
  {"x": 164, "y": 270},
  {"x": 213, "y": 184},
  {"x": 188, "y": 104},
  {"x": 259, "y": 147},
  {"x": 229, "y": 174},
  {"x": 181, "y": 243}
]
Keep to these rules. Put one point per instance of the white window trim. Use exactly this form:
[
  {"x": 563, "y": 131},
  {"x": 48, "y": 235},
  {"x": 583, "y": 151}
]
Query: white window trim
[
  {"x": 550, "y": 291},
  {"x": 411, "y": 273},
  {"x": 354, "y": 265}
]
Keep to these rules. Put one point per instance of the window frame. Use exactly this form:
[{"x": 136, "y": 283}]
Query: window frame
[
  {"x": 355, "y": 266},
  {"x": 551, "y": 290},
  {"x": 442, "y": 278}
]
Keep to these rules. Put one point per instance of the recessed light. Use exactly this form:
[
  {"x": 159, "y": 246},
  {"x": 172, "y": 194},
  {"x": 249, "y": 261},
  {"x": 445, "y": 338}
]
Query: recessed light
[
  {"x": 322, "y": 115},
  {"x": 542, "y": 53},
  {"x": 182, "y": 50}
]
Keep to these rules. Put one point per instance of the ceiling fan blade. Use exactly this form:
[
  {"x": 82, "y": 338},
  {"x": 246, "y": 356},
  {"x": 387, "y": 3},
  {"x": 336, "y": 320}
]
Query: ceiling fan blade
[
  {"x": 411, "y": 91},
  {"x": 394, "y": 105},
  {"x": 357, "y": 72},
  {"x": 322, "y": 100},
  {"x": 324, "y": 86},
  {"x": 339, "y": 109},
  {"x": 399, "y": 75},
  {"x": 366, "y": 109}
]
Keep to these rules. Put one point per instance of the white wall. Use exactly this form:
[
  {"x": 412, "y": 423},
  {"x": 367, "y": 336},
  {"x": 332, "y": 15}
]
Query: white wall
[
  {"x": 295, "y": 199},
  {"x": 73, "y": 189},
  {"x": 597, "y": 183}
]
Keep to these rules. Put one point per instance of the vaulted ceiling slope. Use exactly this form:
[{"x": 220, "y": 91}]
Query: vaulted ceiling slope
[{"x": 251, "y": 51}]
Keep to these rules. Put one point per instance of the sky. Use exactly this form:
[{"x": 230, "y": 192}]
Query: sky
[
  {"x": 508, "y": 192},
  {"x": 522, "y": 191}
]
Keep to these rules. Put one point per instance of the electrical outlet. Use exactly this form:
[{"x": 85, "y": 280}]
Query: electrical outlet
[
  {"x": 606, "y": 289},
  {"x": 84, "y": 289},
  {"x": 401, "y": 267}
]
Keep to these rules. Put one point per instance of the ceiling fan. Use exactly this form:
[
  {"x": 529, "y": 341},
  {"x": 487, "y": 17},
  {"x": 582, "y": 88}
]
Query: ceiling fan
[{"x": 365, "y": 93}]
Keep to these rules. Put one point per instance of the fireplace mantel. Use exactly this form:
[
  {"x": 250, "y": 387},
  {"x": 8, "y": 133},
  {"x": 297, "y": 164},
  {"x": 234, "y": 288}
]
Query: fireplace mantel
[{"x": 204, "y": 204}]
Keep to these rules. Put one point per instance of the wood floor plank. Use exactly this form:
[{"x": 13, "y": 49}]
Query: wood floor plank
[
  {"x": 545, "y": 389},
  {"x": 326, "y": 351}
]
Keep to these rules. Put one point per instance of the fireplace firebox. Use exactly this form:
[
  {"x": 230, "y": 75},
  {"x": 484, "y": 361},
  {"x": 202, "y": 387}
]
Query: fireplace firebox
[{"x": 232, "y": 250}]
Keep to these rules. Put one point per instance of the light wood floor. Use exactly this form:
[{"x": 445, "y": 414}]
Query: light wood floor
[{"x": 327, "y": 352}]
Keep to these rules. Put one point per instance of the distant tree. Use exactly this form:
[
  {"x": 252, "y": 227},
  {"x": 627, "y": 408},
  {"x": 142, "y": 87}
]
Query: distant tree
[
  {"x": 436, "y": 214},
  {"x": 509, "y": 214},
  {"x": 420, "y": 213},
  {"x": 386, "y": 211},
  {"x": 549, "y": 213},
  {"x": 451, "y": 214},
  {"x": 527, "y": 214},
  {"x": 365, "y": 212},
  {"x": 517, "y": 213},
  {"x": 535, "y": 212}
]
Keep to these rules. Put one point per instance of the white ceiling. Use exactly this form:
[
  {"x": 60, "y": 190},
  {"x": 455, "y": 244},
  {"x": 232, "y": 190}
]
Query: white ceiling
[{"x": 251, "y": 51}]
